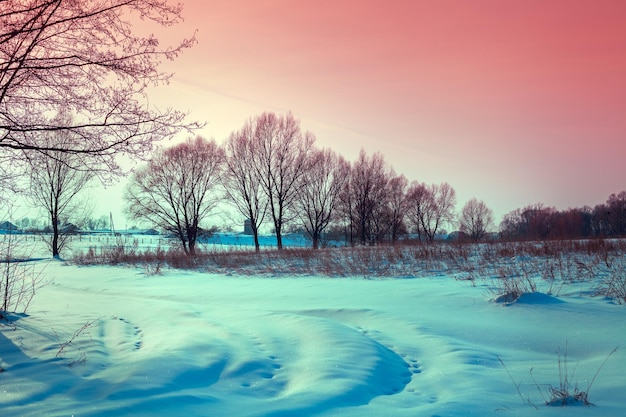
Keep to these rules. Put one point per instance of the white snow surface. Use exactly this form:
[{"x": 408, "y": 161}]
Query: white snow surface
[{"x": 197, "y": 344}]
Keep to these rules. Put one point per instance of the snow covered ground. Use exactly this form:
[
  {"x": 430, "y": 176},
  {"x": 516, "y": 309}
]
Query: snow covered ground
[{"x": 197, "y": 344}]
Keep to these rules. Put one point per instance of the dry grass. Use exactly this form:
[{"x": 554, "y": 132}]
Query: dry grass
[
  {"x": 568, "y": 391},
  {"x": 375, "y": 261},
  {"x": 613, "y": 284},
  {"x": 509, "y": 268}
]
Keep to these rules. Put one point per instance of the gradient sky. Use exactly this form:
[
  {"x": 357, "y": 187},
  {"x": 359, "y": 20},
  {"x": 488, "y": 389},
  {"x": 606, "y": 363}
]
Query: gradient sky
[{"x": 511, "y": 102}]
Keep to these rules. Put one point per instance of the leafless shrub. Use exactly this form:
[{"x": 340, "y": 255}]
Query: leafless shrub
[
  {"x": 553, "y": 273},
  {"x": 613, "y": 284},
  {"x": 154, "y": 266},
  {"x": 568, "y": 391},
  {"x": 19, "y": 279},
  {"x": 511, "y": 285},
  {"x": 586, "y": 270},
  {"x": 80, "y": 357}
]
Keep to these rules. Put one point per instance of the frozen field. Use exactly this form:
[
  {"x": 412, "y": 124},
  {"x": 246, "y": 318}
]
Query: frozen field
[{"x": 196, "y": 344}]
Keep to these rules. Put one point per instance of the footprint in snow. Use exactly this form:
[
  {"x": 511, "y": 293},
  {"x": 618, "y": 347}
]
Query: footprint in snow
[{"x": 119, "y": 336}]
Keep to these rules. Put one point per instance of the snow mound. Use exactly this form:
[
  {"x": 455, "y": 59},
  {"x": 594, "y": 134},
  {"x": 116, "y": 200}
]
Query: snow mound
[
  {"x": 528, "y": 298},
  {"x": 538, "y": 298}
]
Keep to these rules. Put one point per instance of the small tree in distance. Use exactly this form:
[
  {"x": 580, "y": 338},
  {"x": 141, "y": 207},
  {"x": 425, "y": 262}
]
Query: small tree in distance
[
  {"x": 281, "y": 150},
  {"x": 364, "y": 199},
  {"x": 177, "y": 189},
  {"x": 476, "y": 219},
  {"x": 320, "y": 186},
  {"x": 616, "y": 213},
  {"x": 417, "y": 198},
  {"x": 242, "y": 183},
  {"x": 429, "y": 207},
  {"x": 397, "y": 206},
  {"x": 55, "y": 180}
]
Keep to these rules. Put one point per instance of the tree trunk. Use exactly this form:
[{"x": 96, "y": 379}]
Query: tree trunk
[
  {"x": 278, "y": 225},
  {"x": 55, "y": 237},
  {"x": 316, "y": 239},
  {"x": 279, "y": 239},
  {"x": 192, "y": 244},
  {"x": 184, "y": 242},
  {"x": 255, "y": 234}
]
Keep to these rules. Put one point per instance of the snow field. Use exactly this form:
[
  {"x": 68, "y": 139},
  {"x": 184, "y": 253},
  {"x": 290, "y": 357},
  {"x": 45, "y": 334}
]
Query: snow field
[{"x": 194, "y": 344}]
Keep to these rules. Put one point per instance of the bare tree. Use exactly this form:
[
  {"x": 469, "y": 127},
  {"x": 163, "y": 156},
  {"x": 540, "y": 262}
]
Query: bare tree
[
  {"x": 99, "y": 223},
  {"x": 365, "y": 196},
  {"x": 242, "y": 182},
  {"x": 396, "y": 206},
  {"x": 178, "y": 189},
  {"x": 281, "y": 149},
  {"x": 417, "y": 201},
  {"x": 616, "y": 213},
  {"x": 476, "y": 219},
  {"x": 55, "y": 180},
  {"x": 531, "y": 222},
  {"x": 19, "y": 281},
  {"x": 430, "y": 207},
  {"x": 320, "y": 186},
  {"x": 84, "y": 56}
]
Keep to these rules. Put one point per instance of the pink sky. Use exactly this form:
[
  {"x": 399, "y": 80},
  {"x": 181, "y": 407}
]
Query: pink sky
[{"x": 511, "y": 102}]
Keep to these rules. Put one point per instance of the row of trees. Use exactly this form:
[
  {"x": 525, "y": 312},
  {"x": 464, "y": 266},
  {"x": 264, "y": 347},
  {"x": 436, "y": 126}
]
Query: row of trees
[
  {"x": 271, "y": 170},
  {"x": 101, "y": 223},
  {"x": 538, "y": 222},
  {"x": 67, "y": 114}
]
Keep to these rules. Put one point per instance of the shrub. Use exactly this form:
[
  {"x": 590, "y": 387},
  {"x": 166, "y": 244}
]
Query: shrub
[
  {"x": 567, "y": 392},
  {"x": 19, "y": 278},
  {"x": 512, "y": 284},
  {"x": 613, "y": 285}
]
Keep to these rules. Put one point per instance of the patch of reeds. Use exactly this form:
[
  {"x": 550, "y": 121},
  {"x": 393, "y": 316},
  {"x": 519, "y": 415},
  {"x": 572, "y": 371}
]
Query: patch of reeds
[{"x": 554, "y": 261}]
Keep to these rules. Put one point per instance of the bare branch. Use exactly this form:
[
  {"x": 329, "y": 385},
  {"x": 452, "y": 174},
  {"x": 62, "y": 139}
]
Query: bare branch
[
  {"x": 84, "y": 56},
  {"x": 177, "y": 189}
]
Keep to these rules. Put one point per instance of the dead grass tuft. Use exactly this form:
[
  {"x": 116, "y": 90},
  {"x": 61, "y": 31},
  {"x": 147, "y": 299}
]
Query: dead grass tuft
[{"x": 510, "y": 269}]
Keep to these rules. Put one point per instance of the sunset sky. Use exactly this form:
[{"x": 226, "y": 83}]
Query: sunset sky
[{"x": 511, "y": 102}]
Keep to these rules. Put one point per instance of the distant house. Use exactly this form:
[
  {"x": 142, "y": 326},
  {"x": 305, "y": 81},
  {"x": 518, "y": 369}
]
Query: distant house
[
  {"x": 6, "y": 227},
  {"x": 69, "y": 229},
  {"x": 458, "y": 236},
  {"x": 247, "y": 227}
]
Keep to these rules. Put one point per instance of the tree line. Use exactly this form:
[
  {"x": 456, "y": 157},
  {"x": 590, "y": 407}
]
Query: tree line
[
  {"x": 539, "y": 222},
  {"x": 271, "y": 171}
]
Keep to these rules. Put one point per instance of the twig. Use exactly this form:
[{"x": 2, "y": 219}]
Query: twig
[
  {"x": 75, "y": 335},
  {"x": 516, "y": 385},
  {"x": 600, "y": 368}
]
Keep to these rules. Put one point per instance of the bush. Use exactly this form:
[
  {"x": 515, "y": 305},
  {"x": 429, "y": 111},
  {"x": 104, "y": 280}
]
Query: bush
[
  {"x": 567, "y": 392},
  {"x": 613, "y": 285},
  {"x": 19, "y": 278},
  {"x": 509, "y": 288}
]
